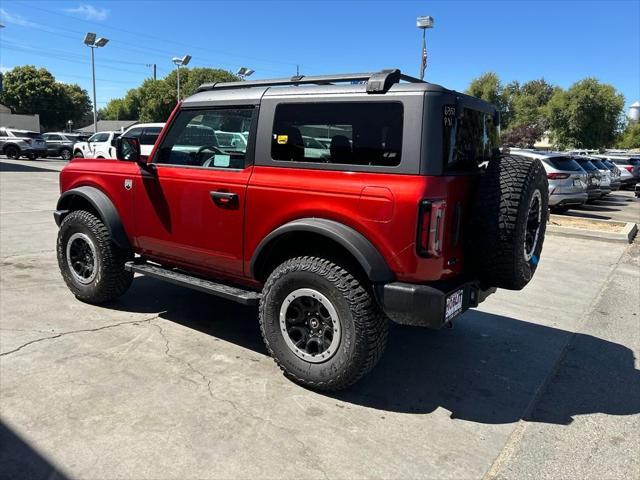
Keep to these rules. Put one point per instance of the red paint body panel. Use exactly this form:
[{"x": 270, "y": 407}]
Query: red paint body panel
[
  {"x": 170, "y": 217},
  {"x": 279, "y": 195}
]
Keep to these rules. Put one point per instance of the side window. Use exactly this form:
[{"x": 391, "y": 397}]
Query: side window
[
  {"x": 3, "y": 132},
  {"x": 52, "y": 136},
  {"x": 346, "y": 133},
  {"x": 150, "y": 135},
  {"x": 133, "y": 133},
  {"x": 215, "y": 138},
  {"x": 99, "y": 137}
]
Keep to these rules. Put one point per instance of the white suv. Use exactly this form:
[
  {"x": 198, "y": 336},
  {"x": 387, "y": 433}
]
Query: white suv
[
  {"x": 147, "y": 133},
  {"x": 99, "y": 145}
]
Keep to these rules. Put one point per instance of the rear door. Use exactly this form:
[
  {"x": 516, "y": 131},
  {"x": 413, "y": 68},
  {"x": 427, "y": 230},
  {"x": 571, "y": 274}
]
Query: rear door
[{"x": 190, "y": 207}]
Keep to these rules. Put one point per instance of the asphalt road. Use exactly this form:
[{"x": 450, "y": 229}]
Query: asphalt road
[{"x": 170, "y": 383}]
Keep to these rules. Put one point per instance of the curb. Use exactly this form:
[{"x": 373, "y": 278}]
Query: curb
[{"x": 626, "y": 236}]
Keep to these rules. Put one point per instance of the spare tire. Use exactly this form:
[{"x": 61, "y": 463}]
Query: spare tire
[{"x": 509, "y": 222}]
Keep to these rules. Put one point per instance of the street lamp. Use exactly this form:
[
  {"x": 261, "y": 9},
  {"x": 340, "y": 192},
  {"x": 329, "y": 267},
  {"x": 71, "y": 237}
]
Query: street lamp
[
  {"x": 181, "y": 62},
  {"x": 92, "y": 42},
  {"x": 244, "y": 72},
  {"x": 423, "y": 23}
]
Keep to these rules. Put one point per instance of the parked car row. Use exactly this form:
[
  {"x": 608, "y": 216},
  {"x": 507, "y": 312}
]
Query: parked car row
[
  {"x": 577, "y": 178},
  {"x": 16, "y": 143}
]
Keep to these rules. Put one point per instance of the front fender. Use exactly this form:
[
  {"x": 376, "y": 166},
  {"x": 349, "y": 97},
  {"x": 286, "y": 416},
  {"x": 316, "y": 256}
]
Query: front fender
[{"x": 103, "y": 206}]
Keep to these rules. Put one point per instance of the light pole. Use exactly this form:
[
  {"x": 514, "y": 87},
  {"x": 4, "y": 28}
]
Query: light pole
[
  {"x": 93, "y": 43},
  {"x": 180, "y": 62},
  {"x": 244, "y": 72},
  {"x": 423, "y": 23}
]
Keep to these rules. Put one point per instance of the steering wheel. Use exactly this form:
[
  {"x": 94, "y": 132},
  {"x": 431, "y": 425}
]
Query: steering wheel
[{"x": 209, "y": 147}]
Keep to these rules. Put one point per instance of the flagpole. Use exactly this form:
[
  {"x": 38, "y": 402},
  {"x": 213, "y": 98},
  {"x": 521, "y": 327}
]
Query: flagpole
[{"x": 423, "y": 59}]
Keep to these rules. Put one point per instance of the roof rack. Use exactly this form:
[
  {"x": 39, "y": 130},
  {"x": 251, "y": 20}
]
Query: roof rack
[{"x": 377, "y": 82}]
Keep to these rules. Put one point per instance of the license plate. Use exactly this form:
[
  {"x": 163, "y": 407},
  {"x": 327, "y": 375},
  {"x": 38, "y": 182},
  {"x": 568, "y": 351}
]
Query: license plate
[
  {"x": 453, "y": 305},
  {"x": 577, "y": 183}
]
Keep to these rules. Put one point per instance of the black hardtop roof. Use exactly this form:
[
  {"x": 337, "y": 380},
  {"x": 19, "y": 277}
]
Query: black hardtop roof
[{"x": 373, "y": 83}]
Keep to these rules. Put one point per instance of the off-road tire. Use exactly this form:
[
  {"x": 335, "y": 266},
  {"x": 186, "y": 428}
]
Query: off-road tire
[
  {"x": 364, "y": 327},
  {"x": 111, "y": 279},
  {"x": 499, "y": 222},
  {"x": 12, "y": 152},
  {"x": 66, "y": 154}
]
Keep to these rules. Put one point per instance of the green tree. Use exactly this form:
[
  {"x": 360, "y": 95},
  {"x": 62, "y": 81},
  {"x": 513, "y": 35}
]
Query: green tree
[
  {"x": 630, "y": 137},
  {"x": 29, "y": 90},
  {"x": 588, "y": 115},
  {"x": 154, "y": 100},
  {"x": 489, "y": 88},
  {"x": 529, "y": 101}
]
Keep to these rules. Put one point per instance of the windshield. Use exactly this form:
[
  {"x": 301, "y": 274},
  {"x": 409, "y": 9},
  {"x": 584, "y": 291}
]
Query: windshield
[
  {"x": 564, "y": 163},
  {"x": 469, "y": 138}
]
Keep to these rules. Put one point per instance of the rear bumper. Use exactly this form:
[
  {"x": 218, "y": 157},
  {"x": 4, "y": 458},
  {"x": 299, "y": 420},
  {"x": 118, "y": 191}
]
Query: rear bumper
[
  {"x": 594, "y": 193},
  {"x": 34, "y": 151},
  {"x": 561, "y": 199},
  {"x": 426, "y": 305}
]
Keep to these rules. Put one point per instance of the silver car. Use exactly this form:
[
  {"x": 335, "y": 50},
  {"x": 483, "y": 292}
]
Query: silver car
[
  {"x": 567, "y": 180},
  {"x": 16, "y": 143}
]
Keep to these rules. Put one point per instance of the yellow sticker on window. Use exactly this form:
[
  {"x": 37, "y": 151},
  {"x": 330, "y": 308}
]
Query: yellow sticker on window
[{"x": 283, "y": 139}]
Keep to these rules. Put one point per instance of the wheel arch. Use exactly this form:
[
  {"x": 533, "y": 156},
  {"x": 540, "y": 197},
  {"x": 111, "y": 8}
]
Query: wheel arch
[
  {"x": 11, "y": 144},
  {"x": 318, "y": 236},
  {"x": 99, "y": 203}
]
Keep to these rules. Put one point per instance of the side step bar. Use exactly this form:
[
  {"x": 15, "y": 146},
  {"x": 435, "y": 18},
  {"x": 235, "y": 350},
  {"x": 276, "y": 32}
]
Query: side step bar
[{"x": 245, "y": 297}]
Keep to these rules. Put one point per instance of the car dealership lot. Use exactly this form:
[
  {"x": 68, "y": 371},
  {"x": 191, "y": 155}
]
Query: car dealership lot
[{"x": 171, "y": 383}]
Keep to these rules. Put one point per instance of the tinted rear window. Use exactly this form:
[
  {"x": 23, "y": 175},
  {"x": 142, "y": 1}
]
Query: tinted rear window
[
  {"x": 361, "y": 133},
  {"x": 28, "y": 135},
  {"x": 469, "y": 138},
  {"x": 587, "y": 165},
  {"x": 564, "y": 163},
  {"x": 599, "y": 164}
]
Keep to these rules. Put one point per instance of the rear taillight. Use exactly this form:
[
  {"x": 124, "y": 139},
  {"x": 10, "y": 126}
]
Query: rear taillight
[
  {"x": 557, "y": 176},
  {"x": 629, "y": 168},
  {"x": 431, "y": 227},
  {"x": 27, "y": 141}
]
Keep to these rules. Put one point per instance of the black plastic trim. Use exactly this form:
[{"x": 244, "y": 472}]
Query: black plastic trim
[
  {"x": 103, "y": 206},
  {"x": 367, "y": 255},
  {"x": 424, "y": 305}
]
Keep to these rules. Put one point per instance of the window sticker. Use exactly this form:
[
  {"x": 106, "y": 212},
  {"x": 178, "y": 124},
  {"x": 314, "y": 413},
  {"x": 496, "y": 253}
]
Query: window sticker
[
  {"x": 283, "y": 139},
  {"x": 221, "y": 160}
]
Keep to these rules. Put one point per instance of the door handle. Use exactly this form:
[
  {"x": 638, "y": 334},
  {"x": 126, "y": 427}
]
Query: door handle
[{"x": 224, "y": 199}]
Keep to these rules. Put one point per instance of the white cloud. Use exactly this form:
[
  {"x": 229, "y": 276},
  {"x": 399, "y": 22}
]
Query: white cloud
[
  {"x": 15, "y": 19},
  {"x": 89, "y": 12}
]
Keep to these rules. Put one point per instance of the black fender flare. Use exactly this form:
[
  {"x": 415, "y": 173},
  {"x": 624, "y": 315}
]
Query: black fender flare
[
  {"x": 102, "y": 204},
  {"x": 365, "y": 253}
]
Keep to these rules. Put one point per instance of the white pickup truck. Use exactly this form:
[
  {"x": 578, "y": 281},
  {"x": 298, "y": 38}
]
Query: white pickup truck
[{"x": 98, "y": 145}]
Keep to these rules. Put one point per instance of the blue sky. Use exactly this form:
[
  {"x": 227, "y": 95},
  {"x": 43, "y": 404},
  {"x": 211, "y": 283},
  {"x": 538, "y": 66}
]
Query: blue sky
[{"x": 562, "y": 41}]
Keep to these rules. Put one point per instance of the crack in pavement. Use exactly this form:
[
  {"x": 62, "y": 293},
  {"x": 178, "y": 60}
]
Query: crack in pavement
[
  {"x": 84, "y": 330},
  {"x": 243, "y": 412}
]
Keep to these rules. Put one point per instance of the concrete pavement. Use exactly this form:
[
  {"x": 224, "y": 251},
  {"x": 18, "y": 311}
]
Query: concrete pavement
[{"x": 171, "y": 383}]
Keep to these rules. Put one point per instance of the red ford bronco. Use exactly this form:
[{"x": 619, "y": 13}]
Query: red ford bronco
[{"x": 335, "y": 203}]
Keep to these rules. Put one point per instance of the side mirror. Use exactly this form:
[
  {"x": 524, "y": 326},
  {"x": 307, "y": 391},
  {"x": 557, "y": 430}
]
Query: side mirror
[{"x": 128, "y": 149}]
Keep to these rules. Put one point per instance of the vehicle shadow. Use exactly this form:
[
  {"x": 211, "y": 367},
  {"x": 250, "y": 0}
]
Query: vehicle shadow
[
  {"x": 487, "y": 369},
  {"x": 17, "y": 167},
  {"x": 20, "y": 460}
]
